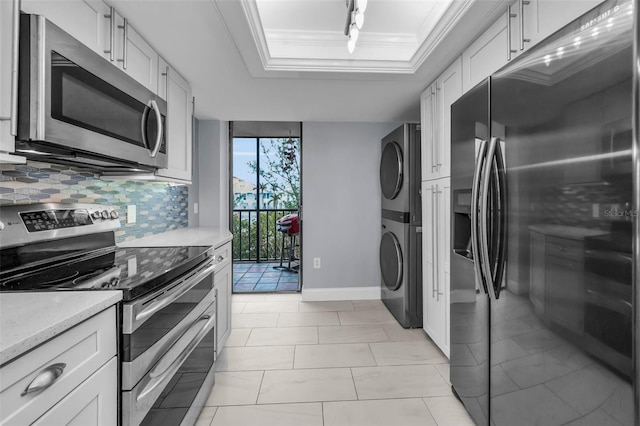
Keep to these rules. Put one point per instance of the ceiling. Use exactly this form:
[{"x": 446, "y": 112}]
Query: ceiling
[{"x": 287, "y": 60}]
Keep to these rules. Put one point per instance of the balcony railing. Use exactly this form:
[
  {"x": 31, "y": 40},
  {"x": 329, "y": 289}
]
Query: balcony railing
[{"x": 255, "y": 237}]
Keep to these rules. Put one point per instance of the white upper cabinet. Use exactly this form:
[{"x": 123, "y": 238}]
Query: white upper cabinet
[
  {"x": 435, "y": 105},
  {"x": 86, "y": 20},
  {"x": 135, "y": 56},
  {"x": 524, "y": 24},
  {"x": 177, "y": 93},
  {"x": 486, "y": 54},
  {"x": 8, "y": 80},
  {"x": 541, "y": 18}
]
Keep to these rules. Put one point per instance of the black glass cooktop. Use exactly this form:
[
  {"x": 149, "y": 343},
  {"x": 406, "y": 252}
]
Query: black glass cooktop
[{"x": 135, "y": 271}]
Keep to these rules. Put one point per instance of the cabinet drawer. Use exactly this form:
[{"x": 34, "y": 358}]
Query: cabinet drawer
[
  {"x": 565, "y": 248},
  {"x": 222, "y": 255},
  {"x": 82, "y": 349}
]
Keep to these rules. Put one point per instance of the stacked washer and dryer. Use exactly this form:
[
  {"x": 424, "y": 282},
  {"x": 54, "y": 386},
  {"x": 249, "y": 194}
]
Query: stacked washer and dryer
[{"x": 401, "y": 242}]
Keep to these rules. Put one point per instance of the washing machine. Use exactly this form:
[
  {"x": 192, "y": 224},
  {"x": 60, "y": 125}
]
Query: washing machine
[{"x": 401, "y": 215}]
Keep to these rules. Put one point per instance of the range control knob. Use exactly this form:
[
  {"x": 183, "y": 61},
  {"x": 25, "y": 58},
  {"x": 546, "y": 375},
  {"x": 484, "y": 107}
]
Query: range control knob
[
  {"x": 114, "y": 214},
  {"x": 95, "y": 215},
  {"x": 105, "y": 214}
]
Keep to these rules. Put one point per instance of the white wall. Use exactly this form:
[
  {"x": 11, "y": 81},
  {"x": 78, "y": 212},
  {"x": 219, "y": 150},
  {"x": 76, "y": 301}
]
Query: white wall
[
  {"x": 213, "y": 173},
  {"x": 341, "y": 208}
]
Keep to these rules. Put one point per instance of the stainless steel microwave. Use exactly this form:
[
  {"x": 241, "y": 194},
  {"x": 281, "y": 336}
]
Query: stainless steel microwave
[{"x": 76, "y": 108}]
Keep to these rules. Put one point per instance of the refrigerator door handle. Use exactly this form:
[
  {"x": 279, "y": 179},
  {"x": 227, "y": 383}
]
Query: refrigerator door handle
[
  {"x": 475, "y": 195},
  {"x": 483, "y": 205},
  {"x": 501, "y": 176}
]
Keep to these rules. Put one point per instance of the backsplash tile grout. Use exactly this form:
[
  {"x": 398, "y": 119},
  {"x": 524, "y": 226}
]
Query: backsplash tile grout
[{"x": 160, "y": 206}]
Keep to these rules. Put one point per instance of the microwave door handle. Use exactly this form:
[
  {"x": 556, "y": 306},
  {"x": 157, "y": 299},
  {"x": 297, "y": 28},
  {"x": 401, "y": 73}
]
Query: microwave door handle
[
  {"x": 484, "y": 217},
  {"x": 143, "y": 125},
  {"x": 156, "y": 109},
  {"x": 14, "y": 67},
  {"x": 475, "y": 193}
]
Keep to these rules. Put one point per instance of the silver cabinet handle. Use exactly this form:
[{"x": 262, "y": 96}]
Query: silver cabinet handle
[
  {"x": 434, "y": 224},
  {"x": 125, "y": 36},
  {"x": 437, "y": 239},
  {"x": 156, "y": 109},
  {"x": 433, "y": 127},
  {"x": 510, "y": 16},
  {"x": 112, "y": 33},
  {"x": 45, "y": 378},
  {"x": 523, "y": 40},
  {"x": 13, "y": 123},
  {"x": 437, "y": 145}
]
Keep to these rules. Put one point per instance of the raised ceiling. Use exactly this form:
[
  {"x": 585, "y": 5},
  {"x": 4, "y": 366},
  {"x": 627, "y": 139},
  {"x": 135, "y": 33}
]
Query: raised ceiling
[
  {"x": 301, "y": 35},
  {"x": 242, "y": 67}
]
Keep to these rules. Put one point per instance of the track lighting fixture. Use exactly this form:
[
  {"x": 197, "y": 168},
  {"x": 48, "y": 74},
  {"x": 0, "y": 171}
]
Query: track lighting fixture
[{"x": 355, "y": 20}]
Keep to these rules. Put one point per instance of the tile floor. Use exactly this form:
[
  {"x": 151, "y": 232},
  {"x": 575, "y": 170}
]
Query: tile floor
[
  {"x": 257, "y": 277},
  {"x": 289, "y": 362}
]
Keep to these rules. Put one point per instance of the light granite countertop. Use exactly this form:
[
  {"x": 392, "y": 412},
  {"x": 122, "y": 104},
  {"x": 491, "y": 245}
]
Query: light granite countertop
[
  {"x": 565, "y": 231},
  {"x": 31, "y": 318},
  {"x": 214, "y": 237}
]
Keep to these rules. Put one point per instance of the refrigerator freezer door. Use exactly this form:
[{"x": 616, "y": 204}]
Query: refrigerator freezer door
[
  {"x": 469, "y": 304},
  {"x": 554, "y": 108}
]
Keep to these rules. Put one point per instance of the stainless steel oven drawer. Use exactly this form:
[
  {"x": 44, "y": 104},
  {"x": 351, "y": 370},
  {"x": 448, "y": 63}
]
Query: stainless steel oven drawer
[{"x": 153, "y": 390}]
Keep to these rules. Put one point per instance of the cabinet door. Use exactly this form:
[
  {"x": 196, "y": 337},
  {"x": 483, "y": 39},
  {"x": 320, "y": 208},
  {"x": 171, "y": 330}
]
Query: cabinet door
[
  {"x": 544, "y": 17},
  {"x": 179, "y": 127},
  {"x": 94, "y": 402},
  {"x": 485, "y": 55},
  {"x": 448, "y": 90},
  {"x": 135, "y": 56},
  {"x": 6, "y": 65},
  {"x": 86, "y": 20},
  {"x": 223, "y": 282},
  {"x": 443, "y": 238},
  {"x": 432, "y": 312},
  {"x": 427, "y": 132}
]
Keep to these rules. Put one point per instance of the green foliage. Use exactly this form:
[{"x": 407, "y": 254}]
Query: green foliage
[{"x": 280, "y": 171}]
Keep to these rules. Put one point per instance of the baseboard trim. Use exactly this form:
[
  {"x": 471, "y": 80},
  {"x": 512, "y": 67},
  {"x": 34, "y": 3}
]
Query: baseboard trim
[{"x": 340, "y": 293}]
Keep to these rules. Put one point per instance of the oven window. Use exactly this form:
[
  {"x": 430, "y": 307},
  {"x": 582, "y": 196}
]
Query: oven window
[
  {"x": 80, "y": 98},
  {"x": 164, "y": 321}
]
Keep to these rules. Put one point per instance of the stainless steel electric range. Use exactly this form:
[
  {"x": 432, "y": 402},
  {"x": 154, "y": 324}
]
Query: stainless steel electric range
[{"x": 168, "y": 314}]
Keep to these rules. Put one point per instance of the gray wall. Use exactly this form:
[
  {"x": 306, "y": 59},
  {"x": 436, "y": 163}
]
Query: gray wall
[
  {"x": 341, "y": 203},
  {"x": 213, "y": 173}
]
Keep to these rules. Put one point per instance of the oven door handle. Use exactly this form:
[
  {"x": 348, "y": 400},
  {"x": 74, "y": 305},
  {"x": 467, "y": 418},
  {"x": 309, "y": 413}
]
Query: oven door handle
[
  {"x": 617, "y": 304},
  {"x": 157, "y": 377},
  {"x": 168, "y": 298}
]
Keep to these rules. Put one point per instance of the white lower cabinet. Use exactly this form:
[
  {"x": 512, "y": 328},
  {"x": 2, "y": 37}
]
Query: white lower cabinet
[
  {"x": 436, "y": 245},
  {"x": 223, "y": 282},
  {"x": 70, "y": 379},
  {"x": 94, "y": 402}
]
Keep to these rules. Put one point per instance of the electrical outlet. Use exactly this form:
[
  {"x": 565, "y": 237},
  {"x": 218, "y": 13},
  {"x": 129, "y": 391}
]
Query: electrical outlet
[
  {"x": 595, "y": 210},
  {"x": 195, "y": 208},
  {"x": 316, "y": 262},
  {"x": 131, "y": 213}
]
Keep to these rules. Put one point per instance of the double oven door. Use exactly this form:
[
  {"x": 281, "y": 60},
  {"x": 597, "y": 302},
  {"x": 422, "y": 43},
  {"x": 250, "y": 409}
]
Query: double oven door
[{"x": 168, "y": 349}]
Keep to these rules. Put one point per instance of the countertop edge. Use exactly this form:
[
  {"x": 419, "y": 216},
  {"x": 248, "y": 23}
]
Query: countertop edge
[{"x": 32, "y": 336}]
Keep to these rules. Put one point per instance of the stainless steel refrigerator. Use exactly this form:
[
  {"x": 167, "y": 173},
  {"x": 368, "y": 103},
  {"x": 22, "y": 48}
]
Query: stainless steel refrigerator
[{"x": 545, "y": 180}]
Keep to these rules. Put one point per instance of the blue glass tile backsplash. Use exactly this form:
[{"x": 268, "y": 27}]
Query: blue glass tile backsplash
[{"x": 160, "y": 207}]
